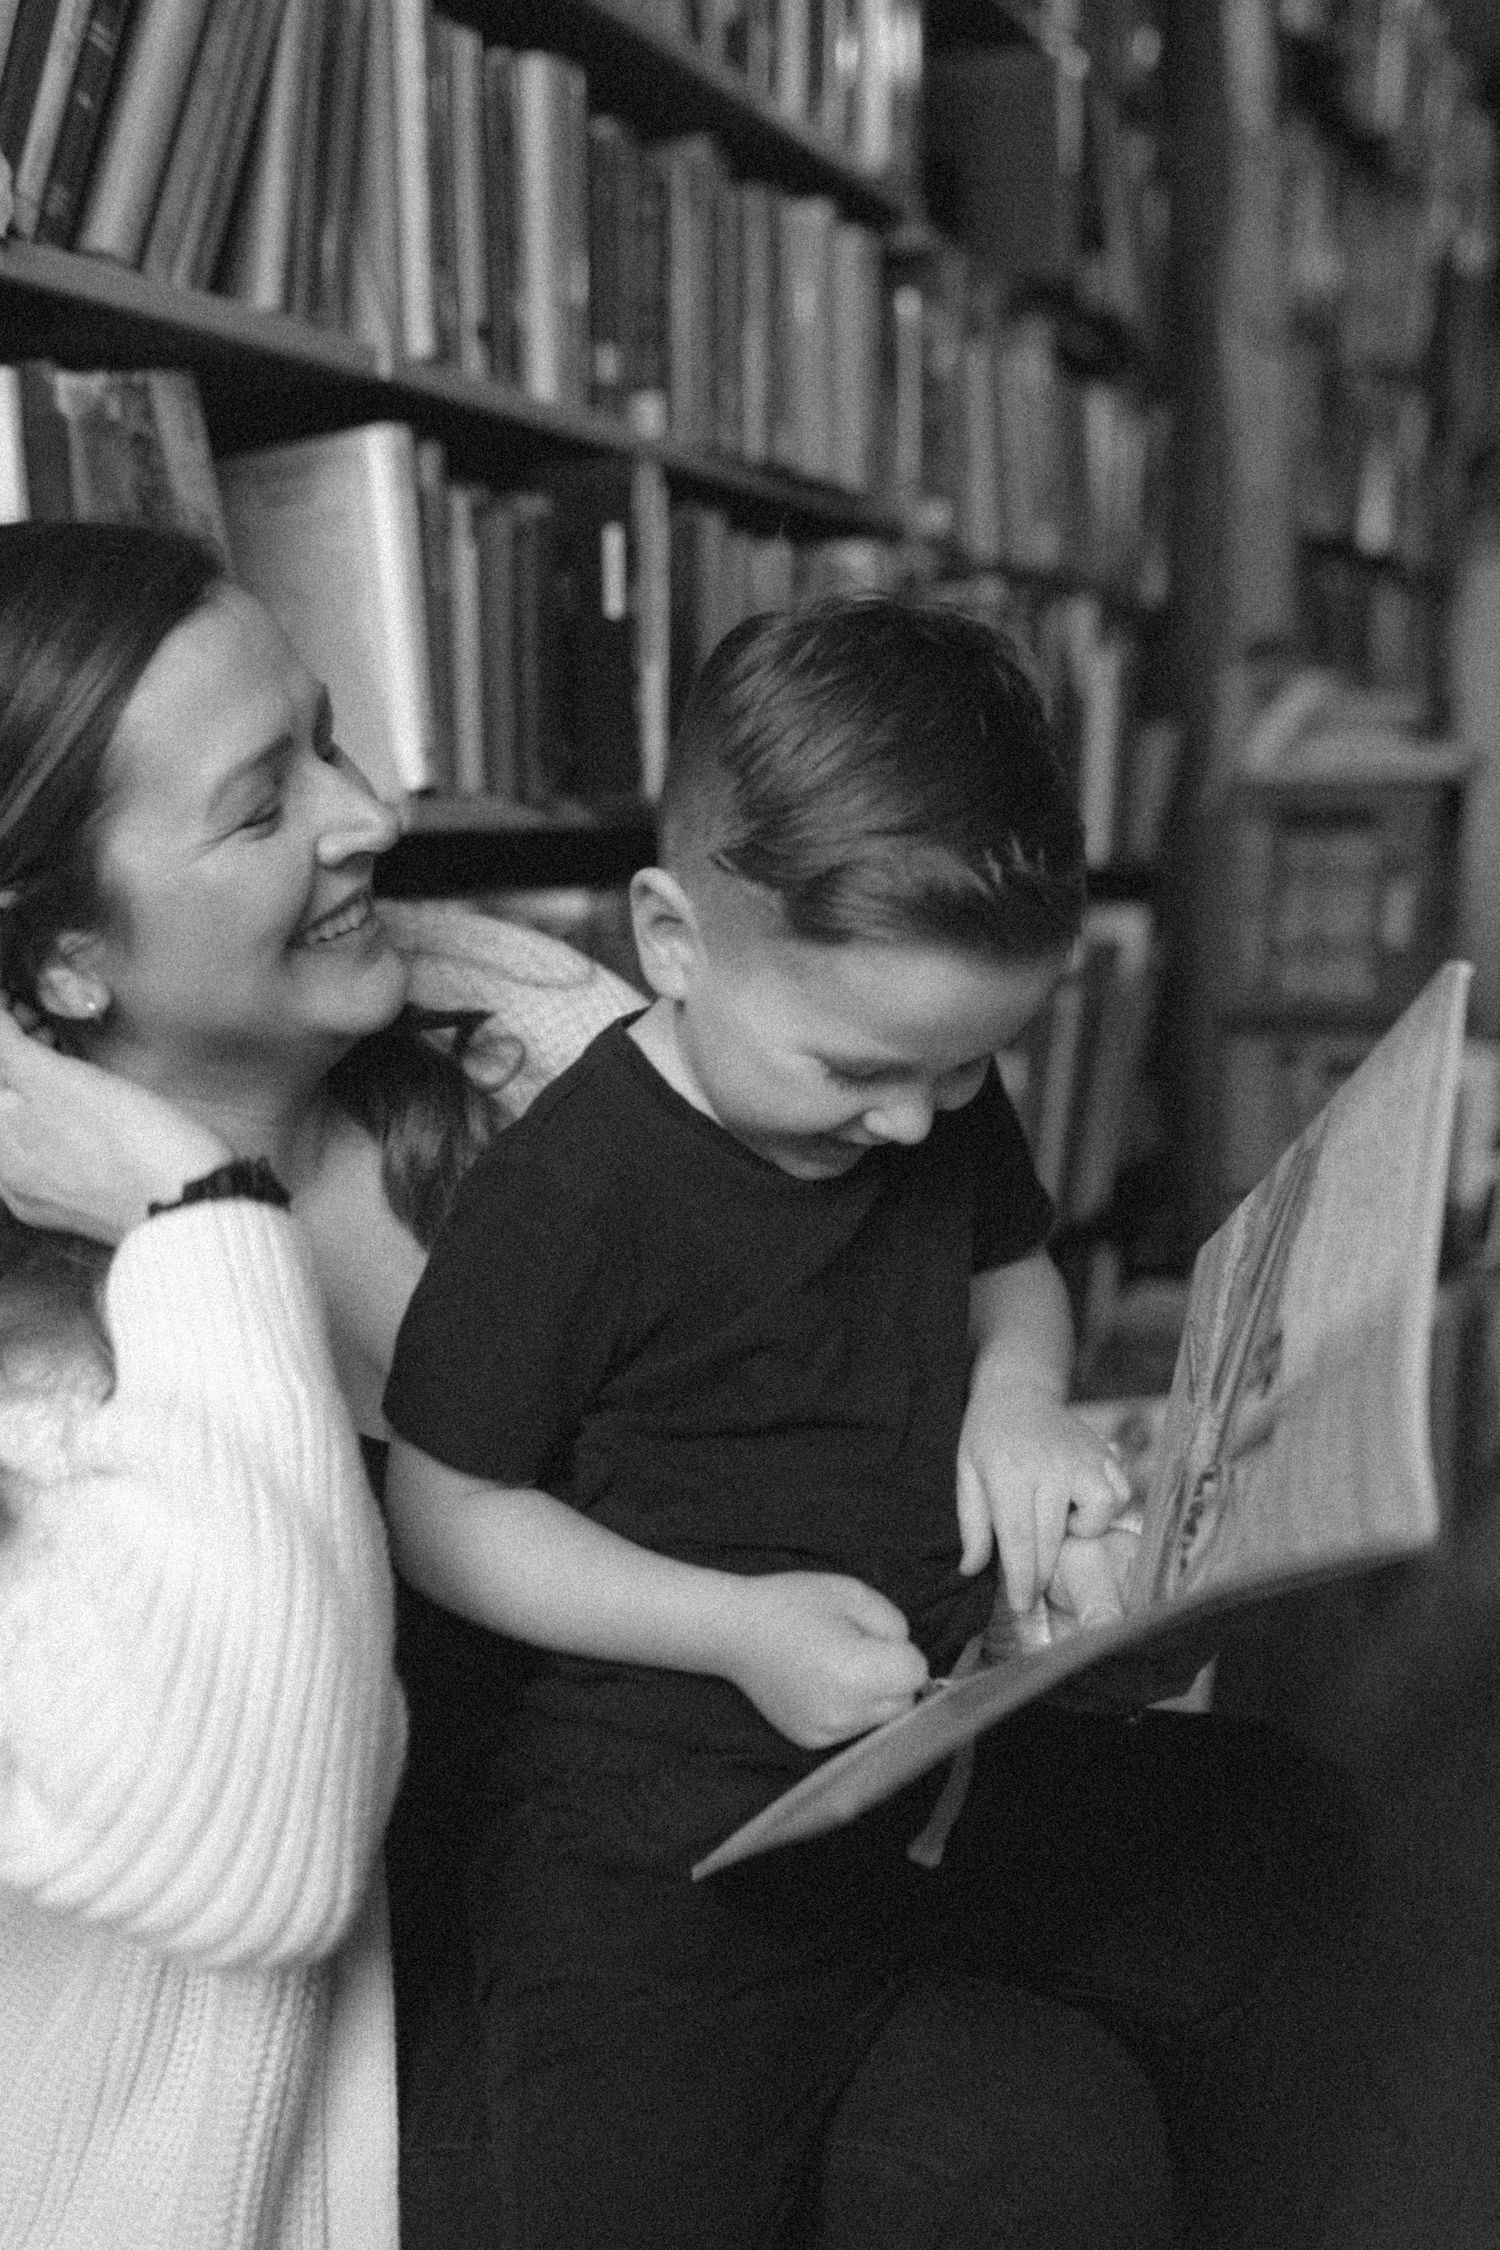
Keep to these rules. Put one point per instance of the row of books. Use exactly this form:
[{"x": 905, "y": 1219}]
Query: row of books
[
  {"x": 1365, "y": 255},
  {"x": 1122, "y": 759},
  {"x": 995, "y": 442},
  {"x": 1076, "y": 1071},
  {"x": 1400, "y": 81},
  {"x": 848, "y": 72},
  {"x": 513, "y": 643},
  {"x": 533, "y": 644},
  {"x": 1070, "y": 190}
]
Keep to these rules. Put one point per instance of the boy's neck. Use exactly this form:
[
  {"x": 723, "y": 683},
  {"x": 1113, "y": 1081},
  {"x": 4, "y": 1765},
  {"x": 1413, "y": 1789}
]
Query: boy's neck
[{"x": 655, "y": 1033}]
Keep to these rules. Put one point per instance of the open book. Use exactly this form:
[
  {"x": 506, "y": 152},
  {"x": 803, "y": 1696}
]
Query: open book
[{"x": 1296, "y": 1441}]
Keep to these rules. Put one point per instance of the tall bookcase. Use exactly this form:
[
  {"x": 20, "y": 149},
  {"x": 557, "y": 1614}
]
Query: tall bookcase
[
  {"x": 1333, "y": 253},
  {"x": 1020, "y": 461}
]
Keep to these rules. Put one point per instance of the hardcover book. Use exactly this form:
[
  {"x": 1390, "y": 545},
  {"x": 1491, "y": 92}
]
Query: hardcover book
[{"x": 1296, "y": 1443}]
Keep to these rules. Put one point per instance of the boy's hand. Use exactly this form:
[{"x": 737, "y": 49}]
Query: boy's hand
[
  {"x": 821, "y": 1657},
  {"x": 1030, "y": 1474}
]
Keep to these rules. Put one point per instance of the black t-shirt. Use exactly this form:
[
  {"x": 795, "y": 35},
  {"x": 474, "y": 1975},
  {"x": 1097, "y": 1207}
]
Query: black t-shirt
[{"x": 633, "y": 1311}]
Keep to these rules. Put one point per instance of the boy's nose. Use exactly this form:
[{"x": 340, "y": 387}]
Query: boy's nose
[{"x": 903, "y": 1117}]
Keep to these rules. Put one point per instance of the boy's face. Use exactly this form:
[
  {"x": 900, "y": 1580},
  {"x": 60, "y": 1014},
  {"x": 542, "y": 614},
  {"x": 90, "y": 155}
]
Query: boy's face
[{"x": 814, "y": 1054}]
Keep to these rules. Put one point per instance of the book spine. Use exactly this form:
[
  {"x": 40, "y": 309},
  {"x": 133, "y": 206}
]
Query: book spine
[
  {"x": 396, "y": 542},
  {"x": 648, "y": 370},
  {"x": 653, "y": 601},
  {"x": 691, "y": 171},
  {"x": 198, "y": 147},
  {"x": 500, "y": 208},
  {"x": 854, "y": 348},
  {"x": 470, "y": 249},
  {"x": 535, "y": 748},
  {"x": 138, "y": 130},
  {"x": 9, "y": 10},
  {"x": 22, "y": 75},
  {"x": 793, "y": 36},
  {"x": 806, "y": 241},
  {"x": 610, "y": 159},
  {"x": 756, "y": 222},
  {"x": 46, "y": 445},
  {"x": 302, "y": 268},
  {"x": 437, "y": 597},
  {"x": 15, "y": 493},
  {"x": 410, "y": 23},
  {"x": 551, "y": 360},
  {"x": 375, "y": 255},
  {"x": 495, "y": 537},
  {"x": 469, "y": 776},
  {"x": 258, "y": 259},
  {"x": 79, "y": 132},
  {"x": 338, "y": 173},
  {"x": 440, "y": 171},
  {"x": 728, "y": 319},
  {"x": 48, "y": 110}
]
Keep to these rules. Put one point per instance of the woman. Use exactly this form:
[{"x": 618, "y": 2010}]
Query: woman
[{"x": 200, "y": 1729}]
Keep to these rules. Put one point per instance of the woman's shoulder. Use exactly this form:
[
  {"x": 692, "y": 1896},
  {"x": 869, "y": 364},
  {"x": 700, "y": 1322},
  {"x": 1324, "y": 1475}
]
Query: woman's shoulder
[{"x": 538, "y": 990}]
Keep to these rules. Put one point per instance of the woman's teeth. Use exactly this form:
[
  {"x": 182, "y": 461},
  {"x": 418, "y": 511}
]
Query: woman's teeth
[{"x": 351, "y": 916}]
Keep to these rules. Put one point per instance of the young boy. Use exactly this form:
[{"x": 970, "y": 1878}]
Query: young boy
[{"x": 736, "y": 1362}]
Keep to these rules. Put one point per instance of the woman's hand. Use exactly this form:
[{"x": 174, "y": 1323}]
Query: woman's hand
[{"x": 85, "y": 1152}]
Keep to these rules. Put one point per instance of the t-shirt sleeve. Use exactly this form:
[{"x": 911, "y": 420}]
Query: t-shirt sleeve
[
  {"x": 509, "y": 1327},
  {"x": 1012, "y": 1210}
]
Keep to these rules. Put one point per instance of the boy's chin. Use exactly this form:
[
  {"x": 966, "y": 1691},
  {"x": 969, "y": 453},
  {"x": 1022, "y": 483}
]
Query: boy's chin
[{"x": 815, "y": 1159}]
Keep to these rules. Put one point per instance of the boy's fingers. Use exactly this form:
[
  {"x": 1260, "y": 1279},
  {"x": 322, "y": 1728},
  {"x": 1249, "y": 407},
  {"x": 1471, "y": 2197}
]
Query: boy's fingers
[
  {"x": 874, "y": 1614},
  {"x": 1016, "y": 1537},
  {"x": 1095, "y": 1503},
  {"x": 975, "y": 1531}
]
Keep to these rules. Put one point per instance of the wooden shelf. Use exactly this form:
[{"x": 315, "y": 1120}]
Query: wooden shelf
[
  {"x": 666, "y": 86},
  {"x": 452, "y": 847},
  {"x": 90, "y": 312}
]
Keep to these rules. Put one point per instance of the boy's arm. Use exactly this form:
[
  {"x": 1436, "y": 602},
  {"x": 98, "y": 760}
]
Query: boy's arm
[
  {"x": 1029, "y": 1472},
  {"x": 821, "y": 1657}
]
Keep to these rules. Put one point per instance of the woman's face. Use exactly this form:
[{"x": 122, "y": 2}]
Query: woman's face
[{"x": 236, "y": 849}]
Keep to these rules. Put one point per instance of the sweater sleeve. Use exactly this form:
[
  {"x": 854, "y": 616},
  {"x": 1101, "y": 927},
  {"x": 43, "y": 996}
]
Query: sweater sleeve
[{"x": 200, "y": 1727}]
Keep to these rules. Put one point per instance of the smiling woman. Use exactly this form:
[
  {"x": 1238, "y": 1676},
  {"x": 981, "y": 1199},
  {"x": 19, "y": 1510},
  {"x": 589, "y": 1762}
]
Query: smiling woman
[{"x": 200, "y": 1725}]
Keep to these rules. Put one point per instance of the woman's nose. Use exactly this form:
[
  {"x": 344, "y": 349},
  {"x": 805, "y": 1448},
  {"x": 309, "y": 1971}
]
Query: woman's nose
[{"x": 355, "y": 820}]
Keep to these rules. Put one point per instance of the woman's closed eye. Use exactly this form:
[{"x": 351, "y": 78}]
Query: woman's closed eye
[{"x": 263, "y": 819}]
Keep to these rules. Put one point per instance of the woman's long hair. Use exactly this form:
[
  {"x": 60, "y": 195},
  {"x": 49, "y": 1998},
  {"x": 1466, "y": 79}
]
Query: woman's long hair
[{"x": 84, "y": 607}]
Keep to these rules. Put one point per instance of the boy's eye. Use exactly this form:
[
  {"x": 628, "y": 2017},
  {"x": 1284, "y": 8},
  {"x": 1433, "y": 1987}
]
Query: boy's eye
[
  {"x": 264, "y": 818},
  {"x": 844, "y": 1077}
]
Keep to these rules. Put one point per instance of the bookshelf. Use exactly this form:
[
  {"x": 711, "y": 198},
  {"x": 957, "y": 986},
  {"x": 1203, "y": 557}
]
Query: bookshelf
[
  {"x": 1334, "y": 177},
  {"x": 1066, "y": 538},
  {"x": 267, "y": 375}
]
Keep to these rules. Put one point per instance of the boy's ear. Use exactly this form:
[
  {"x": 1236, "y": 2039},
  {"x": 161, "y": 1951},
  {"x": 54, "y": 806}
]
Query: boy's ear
[
  {"x": 667, "y": 937},
  {"x": 69, "y": 983}
]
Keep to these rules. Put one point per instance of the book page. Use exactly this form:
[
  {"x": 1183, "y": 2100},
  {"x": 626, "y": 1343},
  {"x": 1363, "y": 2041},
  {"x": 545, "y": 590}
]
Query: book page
[{"x": 1295, "y": 1443}]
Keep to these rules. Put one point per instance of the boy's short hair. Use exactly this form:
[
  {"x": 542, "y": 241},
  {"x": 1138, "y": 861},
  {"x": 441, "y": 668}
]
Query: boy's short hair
[{"x": 885, "y": 769}]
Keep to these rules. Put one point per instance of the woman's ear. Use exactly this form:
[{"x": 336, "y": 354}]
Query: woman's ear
[
  {"x": 69, "y": 984},
  {"x": 667, "y": 938}
]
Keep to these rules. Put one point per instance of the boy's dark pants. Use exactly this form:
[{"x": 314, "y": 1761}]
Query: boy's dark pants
[{"x": 833, "y": 2045}]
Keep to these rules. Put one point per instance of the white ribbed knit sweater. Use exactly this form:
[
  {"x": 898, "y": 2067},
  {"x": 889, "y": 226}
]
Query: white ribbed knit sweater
[{"x": 200, "y": 1735}]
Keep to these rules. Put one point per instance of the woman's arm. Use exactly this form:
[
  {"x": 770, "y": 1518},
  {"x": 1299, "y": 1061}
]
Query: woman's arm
[{"x": 200, "y": 1728}]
